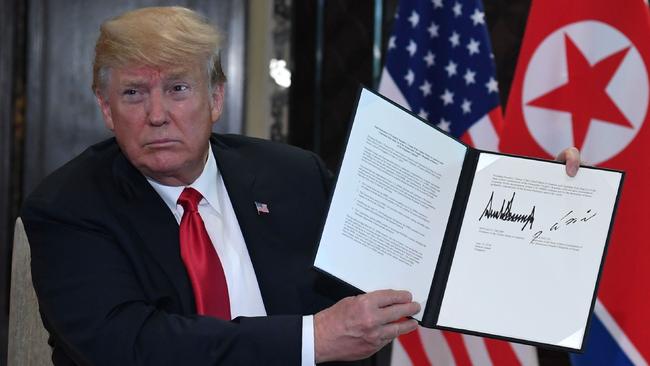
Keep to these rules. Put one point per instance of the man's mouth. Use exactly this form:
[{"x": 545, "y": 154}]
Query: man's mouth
[{"x": 161, "y": 143}]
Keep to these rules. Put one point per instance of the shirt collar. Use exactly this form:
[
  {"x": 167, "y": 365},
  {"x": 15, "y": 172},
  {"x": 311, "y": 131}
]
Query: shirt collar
[{"x": 206, "y": 184}]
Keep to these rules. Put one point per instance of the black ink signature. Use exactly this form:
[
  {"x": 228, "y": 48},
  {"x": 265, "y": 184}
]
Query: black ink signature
[
  {"x": 505, "y": 213},
  {"x": 567, "y": 220}
]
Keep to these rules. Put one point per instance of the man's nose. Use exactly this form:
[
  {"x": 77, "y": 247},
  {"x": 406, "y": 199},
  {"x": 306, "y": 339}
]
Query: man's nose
[{"x": 157, "y": 109}]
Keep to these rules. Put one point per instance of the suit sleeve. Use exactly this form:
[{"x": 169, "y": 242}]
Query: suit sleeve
[
  {"x": 93, "y": 305},
  {"x": 327, "y": 178}
]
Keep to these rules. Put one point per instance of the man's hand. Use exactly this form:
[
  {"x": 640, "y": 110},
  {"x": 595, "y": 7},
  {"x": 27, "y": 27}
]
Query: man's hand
[
  {"x": 357, "y": 327},
  {"x": 572, "y": 158}
]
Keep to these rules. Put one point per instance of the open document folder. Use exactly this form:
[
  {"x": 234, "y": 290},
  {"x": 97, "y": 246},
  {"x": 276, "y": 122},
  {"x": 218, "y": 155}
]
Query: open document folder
[{"x": 489, "y": 244}]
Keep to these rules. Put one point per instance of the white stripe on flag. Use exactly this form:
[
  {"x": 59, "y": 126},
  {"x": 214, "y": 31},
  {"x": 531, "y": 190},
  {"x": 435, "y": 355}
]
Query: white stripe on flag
[
  {"x": 527, "y": 355},
  {"x": 398, "y": 355},
  {"x": 390, "y": 90},
  {"x": 484, "y": 135},
  {"x": 477, "y": 351},
  {"x": 618, "y": 335},
  {"x": 436, "y": 347}
]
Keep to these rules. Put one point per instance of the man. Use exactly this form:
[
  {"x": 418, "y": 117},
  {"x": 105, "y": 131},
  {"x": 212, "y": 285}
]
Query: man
[
  {"x": 116, "y": 283},
  {"x": 168, "y": 245}
]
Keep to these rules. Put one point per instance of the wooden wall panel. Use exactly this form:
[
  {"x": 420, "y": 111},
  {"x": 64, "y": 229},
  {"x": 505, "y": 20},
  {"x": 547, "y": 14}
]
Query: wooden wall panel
[{"x": 62, "y": 116}]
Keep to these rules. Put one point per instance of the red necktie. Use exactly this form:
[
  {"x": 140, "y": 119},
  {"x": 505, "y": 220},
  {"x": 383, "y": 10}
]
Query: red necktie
[{"x": 201, "y": 260}]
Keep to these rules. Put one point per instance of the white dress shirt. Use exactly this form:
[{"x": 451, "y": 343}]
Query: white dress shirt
[{"x": 223, "y": 229}]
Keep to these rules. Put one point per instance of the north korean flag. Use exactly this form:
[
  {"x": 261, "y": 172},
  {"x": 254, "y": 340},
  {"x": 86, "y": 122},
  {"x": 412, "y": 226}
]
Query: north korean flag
[{"x": 582, "y": 80}]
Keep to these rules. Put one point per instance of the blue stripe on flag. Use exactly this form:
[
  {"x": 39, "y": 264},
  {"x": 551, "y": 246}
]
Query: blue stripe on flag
[{"x": 601, "y": 349}]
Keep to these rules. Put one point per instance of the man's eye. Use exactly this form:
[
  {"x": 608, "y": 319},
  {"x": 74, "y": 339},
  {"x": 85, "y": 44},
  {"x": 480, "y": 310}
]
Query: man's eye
[
  {"x": 132, "y": 95},
  {"x": 179, "y": 88}
]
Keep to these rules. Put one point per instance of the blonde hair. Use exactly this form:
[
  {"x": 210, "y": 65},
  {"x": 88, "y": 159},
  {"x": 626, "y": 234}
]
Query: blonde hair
[{"x": 159, "y": 37}]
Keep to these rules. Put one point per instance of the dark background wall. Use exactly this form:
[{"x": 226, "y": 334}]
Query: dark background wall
[
  {"x": 48, "y": 115},
  {"x": 7, "y": 27}
]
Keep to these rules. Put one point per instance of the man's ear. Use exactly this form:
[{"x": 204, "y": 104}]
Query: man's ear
[
  {"x": 105, "y": 107},
  {"x": 216, "y": 102}
]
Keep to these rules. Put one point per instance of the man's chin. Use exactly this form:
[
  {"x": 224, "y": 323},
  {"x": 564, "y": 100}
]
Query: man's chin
[{"x": 172, "y": 173}]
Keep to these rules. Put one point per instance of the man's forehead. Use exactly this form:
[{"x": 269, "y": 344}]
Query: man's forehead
[{"x": 150, "y": 73}]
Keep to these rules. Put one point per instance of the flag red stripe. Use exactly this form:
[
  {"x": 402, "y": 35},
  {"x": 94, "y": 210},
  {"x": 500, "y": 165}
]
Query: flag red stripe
[
  {"x": 496, "y": 116},
  {"x": 501, "y": 353},
  {"x": 466, "y": 138},
  {"x": 412, "y": 344},
  {"x": 458, "y": 349}
]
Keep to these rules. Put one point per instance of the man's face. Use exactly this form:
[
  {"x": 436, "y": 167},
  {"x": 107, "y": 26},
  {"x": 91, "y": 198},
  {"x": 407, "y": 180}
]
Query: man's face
[{"x": 162, "y": 119}]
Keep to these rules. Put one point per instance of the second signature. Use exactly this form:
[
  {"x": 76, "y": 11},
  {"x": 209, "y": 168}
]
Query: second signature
[{"x": 570, "y": 218}]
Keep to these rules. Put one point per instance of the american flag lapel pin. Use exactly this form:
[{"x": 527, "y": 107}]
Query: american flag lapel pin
[{"x": 262, "y": 208}]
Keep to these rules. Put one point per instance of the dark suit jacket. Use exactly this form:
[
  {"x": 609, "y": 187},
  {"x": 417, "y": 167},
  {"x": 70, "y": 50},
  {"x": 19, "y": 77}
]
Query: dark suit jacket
[{"x": 108, "y": 274}]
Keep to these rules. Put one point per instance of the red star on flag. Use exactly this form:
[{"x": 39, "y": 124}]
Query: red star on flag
[{"x": 584, "y": 94}]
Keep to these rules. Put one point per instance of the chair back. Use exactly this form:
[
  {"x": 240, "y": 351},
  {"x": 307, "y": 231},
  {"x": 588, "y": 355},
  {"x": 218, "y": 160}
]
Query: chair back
[{"x": 27, "y": 336}]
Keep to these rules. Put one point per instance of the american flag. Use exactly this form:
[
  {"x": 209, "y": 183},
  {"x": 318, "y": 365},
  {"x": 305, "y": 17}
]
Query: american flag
[
  {"x": 262, "y": 208},
  {"x": 439, "y": 64}
]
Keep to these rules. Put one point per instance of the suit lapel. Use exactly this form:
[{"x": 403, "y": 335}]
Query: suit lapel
[
  {"x": 244, "y": 189},
  {"x": 155, "y": 225}
]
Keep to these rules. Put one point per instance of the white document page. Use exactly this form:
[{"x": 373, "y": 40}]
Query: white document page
[
  {"x": 392, "y": 200},
  {"x": 529, "y": 250}
]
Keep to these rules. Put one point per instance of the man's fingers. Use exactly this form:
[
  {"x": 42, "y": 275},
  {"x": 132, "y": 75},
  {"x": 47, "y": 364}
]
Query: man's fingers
[
  {"x": 383, "y": 298},
  {"x": 562, "y": 156},
  {"x": 398, "y": 311},
  {"x": 396, "y": 329},
  {"x": 572, "y": 158},
  {"x": 406, "y": 326},
  {"x": 391, "y": 305}
]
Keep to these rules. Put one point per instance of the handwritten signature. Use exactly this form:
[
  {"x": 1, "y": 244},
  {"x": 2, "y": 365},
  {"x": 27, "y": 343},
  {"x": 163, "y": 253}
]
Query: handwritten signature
[
  {"x": 506, "y": 214},
  {"x": 567, "y": 220}
]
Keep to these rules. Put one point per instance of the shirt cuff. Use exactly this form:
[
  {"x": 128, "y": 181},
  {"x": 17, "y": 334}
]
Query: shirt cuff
[{"x": 308, "y": 356}]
